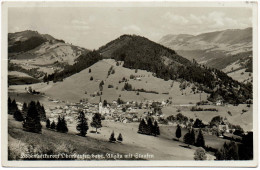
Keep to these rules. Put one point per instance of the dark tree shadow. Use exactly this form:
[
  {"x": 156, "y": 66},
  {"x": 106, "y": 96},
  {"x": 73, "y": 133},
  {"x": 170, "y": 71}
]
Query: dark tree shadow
[
  {"x": 92, "y": 131},
  {"x": 185, "y": 146}
]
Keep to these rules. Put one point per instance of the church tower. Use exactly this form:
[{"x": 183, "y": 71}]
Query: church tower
[{"x": 100, "y": 106}]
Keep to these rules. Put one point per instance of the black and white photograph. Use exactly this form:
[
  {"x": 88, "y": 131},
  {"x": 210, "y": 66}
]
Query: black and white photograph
[{"x": 129, "y": 84}]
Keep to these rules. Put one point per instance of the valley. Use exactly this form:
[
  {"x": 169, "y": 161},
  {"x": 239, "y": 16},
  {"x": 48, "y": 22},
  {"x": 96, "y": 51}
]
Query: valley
[{"x": 129, "y": 80}]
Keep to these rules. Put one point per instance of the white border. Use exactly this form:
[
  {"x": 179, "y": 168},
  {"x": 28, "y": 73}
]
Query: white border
[{"x": 48, "y": 3}]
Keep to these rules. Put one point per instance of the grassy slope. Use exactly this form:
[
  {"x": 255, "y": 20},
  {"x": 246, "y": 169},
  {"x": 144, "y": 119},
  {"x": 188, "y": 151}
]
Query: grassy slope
[
  {"x": 73, "y": 88},
  {"x": 245, "y": 120},
  {"x": 163, "y": 148}
]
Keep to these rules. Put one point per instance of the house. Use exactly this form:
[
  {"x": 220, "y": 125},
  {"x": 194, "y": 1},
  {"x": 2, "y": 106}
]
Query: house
[
  {"x": 223, "y": 127},
  {"x": 219, "y": 103}
]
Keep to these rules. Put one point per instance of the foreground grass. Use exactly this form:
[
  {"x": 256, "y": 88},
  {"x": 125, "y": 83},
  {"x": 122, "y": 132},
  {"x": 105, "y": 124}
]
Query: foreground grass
[{"x": 50, "y": 142}]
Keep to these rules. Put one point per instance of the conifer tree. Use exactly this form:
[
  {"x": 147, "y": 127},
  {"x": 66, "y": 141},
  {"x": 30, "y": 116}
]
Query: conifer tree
[
  {"x": 53, "y": 125},
  {"x": 18, "y": 116},
  {"x": 189, "y": 138},
  {"x": 64, "y": 128},
  {"x": 82, "y": 126},
  {"x": 96, "y": 121},
  {"x": 105, "y": 103},
  {"x": 13, "y": 107},
  {"x": 149, "y": 127},
  {"x": 25, "y": 108},
  {"x": 192, "y": 135},
  {"x": 48, "y": 123},
  {"x": 200, "y": 142},
  {"x": 156, "y": 129},
  {"x": 142, "y": 127},
  {"x": 32, "y": 121},
  {"x": 112, "y": 137},
  {"x": 41, "y": 111},
  {"x": 186, "y": 138},
  {"x": 120, "y": 138},
  {"x": 9, "y": 103},
  {"x": 178, "y": 132},
  {"x": 62, "y": 125}
]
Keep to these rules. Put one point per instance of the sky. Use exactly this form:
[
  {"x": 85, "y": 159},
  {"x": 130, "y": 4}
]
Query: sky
[{"x": 92, "y": 27}]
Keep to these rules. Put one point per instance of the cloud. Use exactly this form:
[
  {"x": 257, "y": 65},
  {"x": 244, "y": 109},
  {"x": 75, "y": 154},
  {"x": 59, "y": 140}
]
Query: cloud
[
  {"x": 79, "y": 22},
  {"x": 79, "y": 25},
  {"x": 132, "y": 28},
  {"x": 175, "y": 18},
  {"x": 214, "y": 20}
]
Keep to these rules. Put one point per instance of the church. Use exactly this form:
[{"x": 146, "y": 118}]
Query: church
[{"x": 102, "y": 110}]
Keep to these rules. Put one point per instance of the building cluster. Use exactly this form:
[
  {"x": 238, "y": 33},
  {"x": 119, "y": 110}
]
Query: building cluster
[{"x": 126, "y": 113}]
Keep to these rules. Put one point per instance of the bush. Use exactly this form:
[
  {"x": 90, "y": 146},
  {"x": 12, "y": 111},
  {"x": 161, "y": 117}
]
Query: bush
[
  {"x": 110, "y": 86},
  {"x": 200, "y": 154}
]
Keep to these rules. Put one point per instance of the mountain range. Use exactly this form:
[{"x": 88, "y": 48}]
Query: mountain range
[
  {"x": 38, "y": 55},
  {"x": 228, "y": 50}
]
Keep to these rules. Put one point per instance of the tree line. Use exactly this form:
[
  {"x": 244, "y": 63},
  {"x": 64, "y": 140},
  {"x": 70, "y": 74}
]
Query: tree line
[
  {"x": 140, "y": 53},
  {"x": 149, "y": 128}
]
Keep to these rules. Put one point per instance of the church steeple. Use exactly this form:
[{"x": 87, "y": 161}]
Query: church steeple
[{"x": 100, "y": 106}]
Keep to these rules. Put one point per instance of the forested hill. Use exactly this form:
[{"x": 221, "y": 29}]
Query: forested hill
[{"x": 141, "y": 53}]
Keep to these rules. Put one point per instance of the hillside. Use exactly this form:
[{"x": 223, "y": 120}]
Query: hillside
[
  {"x": 78, "y": 86},
  {"x": 140, "y": 53},
  {"x": 42, "y": 53},
  {"x": 218, "y": 49}
]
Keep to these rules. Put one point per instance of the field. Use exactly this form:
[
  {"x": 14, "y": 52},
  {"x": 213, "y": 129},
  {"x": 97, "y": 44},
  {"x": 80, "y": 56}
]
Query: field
[
  {"x": 162, "y": 148},
  {"x": 237, "y": 117},
  {"x": 79, "y": 86}
]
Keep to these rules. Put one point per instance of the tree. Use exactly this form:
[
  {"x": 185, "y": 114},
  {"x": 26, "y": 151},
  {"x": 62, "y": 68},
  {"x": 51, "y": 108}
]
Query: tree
[
  {"x": 96, "y": 121},
  {"x": 228, "y": 152},
  {"x": 200, "y": 142},
  {"x": 178, "y": 132},
  {"x": 156, "y": 129},
  {"x": 82, "y": 125},
  {"x": 120, "y": 138},
  {"x": 25, "y": 108},
  {"x": 9, "y": 103},
  {"x": 142, "y": 127},
  {"x": 48, "y": 123},
  {"x": 59, "y": 126},
  {"x": 149, "y": 127},
  {"x": 200, "y": 154},
  {"x": 53, "y": 125},
  {"x": 41, "y": 111},
  {"x": 45, "y": 78},
  {"x": 13, "y": 107},
  {"x": 89, "y": 70},
  {"x": 189, "y": 138},
  {"x": 112, "y": 137},
  {"x": 198, "y": 124},
  {"x": 101, "y": 85},
  {"x": 18, "y": 116},
  {"x": 104, "y": 103},
  {"x": 192, "y": 137},
  {"x": 32, "y": 121},
  {"x": 62, "y": 125},
  {"x": 91, "y": 78}
]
